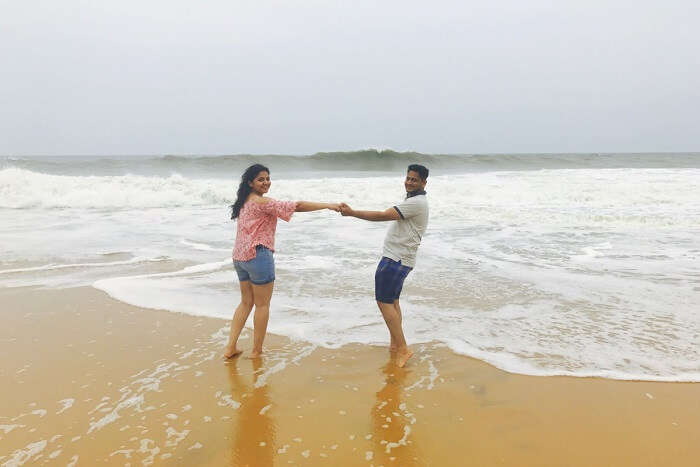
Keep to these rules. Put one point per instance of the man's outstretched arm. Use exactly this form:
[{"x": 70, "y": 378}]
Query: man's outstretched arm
[{"x": 390, "y": 214}]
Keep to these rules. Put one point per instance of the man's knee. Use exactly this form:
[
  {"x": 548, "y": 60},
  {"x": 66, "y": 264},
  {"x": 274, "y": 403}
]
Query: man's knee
[
  {"x": 393, "y": 305},
  {"x": 386, "y": 308}
]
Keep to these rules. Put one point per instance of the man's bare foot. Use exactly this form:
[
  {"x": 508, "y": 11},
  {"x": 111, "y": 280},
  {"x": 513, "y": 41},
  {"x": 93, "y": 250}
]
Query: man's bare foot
[
  {"x": 402, "y": 357},
  {"x": 230, "y": 352},
  {"x": 255, "y": 354},
  {"x": 393, "y": 348}
]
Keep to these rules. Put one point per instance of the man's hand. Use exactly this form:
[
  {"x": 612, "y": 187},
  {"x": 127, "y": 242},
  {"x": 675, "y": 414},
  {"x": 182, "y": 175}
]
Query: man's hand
[{"x": 345, "y": 210}]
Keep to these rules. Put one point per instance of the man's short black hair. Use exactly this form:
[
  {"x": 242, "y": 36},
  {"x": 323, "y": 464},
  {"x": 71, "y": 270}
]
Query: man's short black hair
[{"x": 420, "y": 169}]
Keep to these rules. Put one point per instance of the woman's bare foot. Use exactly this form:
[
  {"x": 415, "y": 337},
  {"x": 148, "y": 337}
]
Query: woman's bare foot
[
  {"x": 255, "y": 354},
  {"x": 402, "y": 356},
  {"x": 230, "y": 352}
]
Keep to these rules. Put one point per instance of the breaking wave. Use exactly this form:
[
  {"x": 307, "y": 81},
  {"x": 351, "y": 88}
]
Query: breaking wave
[{"x": 339, "y": 163}]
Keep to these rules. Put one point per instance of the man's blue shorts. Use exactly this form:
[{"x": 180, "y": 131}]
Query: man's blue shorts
[
  {"x": 388, "y": 280},
  {"x": 259, "y": 270}
]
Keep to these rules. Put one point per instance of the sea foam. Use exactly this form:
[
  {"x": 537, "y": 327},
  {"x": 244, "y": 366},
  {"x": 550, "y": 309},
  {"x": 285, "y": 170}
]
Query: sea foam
[{"x": 575, "y": 272}]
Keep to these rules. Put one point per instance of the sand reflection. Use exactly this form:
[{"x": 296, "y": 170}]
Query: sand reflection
[
  {"x": 392, "y": 421},
  {"x": 253, "y": 428}
]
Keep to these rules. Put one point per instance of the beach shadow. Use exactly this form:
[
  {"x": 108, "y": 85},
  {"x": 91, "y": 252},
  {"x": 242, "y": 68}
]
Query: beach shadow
[
  {"x": 253, "y": 430},
  {"x": 392, "y": 421}
]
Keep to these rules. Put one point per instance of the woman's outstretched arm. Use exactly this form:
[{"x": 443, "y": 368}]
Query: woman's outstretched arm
[{"x": 306, "y": 206}]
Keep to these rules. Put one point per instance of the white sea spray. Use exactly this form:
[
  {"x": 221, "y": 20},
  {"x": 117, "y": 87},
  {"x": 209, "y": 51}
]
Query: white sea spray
[{"x": 545, "y": 272}]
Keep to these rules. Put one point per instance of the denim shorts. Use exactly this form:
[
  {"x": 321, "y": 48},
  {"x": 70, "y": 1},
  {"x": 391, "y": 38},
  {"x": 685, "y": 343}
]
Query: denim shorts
[
  {"x": 388, "y": 280},
  {"x": 259, "y": 270}
]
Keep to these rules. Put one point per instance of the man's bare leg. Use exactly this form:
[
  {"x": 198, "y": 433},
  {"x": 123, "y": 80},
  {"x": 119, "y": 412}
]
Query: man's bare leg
[
  {"x": 240, "y": 316},
  {"x": 393, "y": 322},
  {"x": 261, "y": 296},
  {"x": 392, "y": 346}
]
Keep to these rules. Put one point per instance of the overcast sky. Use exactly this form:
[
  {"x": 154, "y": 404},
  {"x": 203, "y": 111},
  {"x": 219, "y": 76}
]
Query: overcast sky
[{"x": 225, "y": 77}]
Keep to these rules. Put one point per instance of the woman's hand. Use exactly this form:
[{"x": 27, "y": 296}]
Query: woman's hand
[{"x": 306, "y": 206}]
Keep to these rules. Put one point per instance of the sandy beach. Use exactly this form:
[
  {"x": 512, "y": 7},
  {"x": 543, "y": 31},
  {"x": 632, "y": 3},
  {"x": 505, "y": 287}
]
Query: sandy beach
[{"x": 88, "y": 380}]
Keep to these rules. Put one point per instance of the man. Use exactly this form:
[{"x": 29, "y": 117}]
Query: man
[{"x": 399, "y": 255}]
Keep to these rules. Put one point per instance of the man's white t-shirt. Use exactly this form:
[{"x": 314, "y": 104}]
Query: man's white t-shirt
[{"x": 403, "y": 238}]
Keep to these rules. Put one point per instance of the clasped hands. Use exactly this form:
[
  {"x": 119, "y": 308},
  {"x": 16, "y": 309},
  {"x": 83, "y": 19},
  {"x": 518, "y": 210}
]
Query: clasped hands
[{"x": 342, "y": 208}]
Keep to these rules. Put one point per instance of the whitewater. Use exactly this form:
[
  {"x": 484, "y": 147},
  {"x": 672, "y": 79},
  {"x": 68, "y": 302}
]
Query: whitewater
[{"x": 582, "y": 265}]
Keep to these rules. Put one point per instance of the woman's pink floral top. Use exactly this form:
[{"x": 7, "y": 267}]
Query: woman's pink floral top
[{"x": 256, "y": 226}]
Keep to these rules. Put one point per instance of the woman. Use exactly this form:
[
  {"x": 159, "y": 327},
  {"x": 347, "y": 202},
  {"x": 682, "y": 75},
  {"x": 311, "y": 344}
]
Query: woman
[{"x": 253, "y": 252}]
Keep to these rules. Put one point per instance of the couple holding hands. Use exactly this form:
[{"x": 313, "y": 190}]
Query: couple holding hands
[{"x": 253, "y": 252}]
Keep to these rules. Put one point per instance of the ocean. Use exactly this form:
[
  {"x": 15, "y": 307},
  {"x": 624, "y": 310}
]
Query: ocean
[{"x": 554, "y": 264}]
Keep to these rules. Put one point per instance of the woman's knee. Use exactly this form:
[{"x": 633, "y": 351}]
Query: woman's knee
[{"x": 262, "y": 294}]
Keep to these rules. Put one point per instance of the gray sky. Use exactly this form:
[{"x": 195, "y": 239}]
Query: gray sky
[{"x": 222, "y": 77}]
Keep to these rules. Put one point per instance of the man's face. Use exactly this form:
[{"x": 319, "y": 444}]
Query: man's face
[{"x": 413, "y": 182}]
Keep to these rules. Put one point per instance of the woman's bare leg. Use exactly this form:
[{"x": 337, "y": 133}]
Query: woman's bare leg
[
  {"x": 240, "y": 316},
  {"x": 261, "y": 296}
]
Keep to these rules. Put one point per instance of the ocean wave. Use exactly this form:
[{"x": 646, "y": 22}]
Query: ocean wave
[
  {"x": 366, "y": 161},
  {"x": 571, "y": 198},
  {"x": 53, "y": 267},
  {"x": 23, "y": 189},
  {"x": 537, "y": 337}
]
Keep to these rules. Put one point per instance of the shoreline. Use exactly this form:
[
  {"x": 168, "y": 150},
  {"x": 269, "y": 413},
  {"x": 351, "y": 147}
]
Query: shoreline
[{"x": 92, "y": 377}]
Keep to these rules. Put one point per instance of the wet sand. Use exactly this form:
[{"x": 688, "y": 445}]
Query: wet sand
[{"x": 89, "y": 380}]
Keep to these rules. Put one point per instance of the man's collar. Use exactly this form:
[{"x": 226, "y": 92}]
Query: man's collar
[{"x": 413, "y": 193}]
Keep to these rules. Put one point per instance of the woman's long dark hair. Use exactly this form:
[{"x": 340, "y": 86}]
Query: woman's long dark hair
[{"x": 244, "y": 189}]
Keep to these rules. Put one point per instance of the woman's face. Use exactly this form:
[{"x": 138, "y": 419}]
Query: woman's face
[{"x": 261, "y": 183}]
